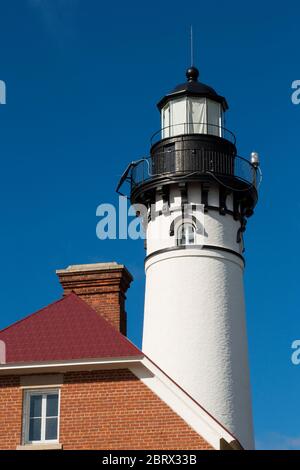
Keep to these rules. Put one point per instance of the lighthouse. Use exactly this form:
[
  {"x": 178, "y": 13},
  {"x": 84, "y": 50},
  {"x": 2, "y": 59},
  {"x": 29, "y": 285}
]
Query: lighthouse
[{"x": 198, "y": 193}]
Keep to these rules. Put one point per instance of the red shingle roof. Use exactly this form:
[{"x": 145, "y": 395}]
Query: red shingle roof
[{"x": 65, "y": 330}]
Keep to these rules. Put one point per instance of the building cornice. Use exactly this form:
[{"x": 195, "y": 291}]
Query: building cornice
[{"x": 66, "y": 366}]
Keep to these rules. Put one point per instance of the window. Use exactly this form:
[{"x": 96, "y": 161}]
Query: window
[
  {"x": 192, "y": 115},
  {"x": 214, "y": 118},
  {"x": 186, "y": 234},
  {"x": 178, "y": 117},
  {"x": 174, "y": 118},
  {"x": 41, "y": 416},
  {"x": 166, "y": 121},
  {"x": 197, "y": 116}
]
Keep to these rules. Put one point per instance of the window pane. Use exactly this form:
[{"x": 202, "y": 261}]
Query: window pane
[
  {"x": 214, "y": 114},
  {"x": 178, "y": 116},
  {"x": 166, "y": 121},
  {"x": 186, "y": 234},
  {"x": 52, "y": 405},
  {"x": 35, "y": 429},
  {"x": 197, "y": 116},
  {"x": 36, "y": 406},
  {"x": 51, "y": 428},
  {"x": 191, "y": 234},
  {"x": 181, "y": 237}
]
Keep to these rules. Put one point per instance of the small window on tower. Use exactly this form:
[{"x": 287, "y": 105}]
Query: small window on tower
[{"x": 186, "y": 234}]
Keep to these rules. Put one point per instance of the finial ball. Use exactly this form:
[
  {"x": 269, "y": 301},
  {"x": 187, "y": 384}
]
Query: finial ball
[{"x": 192, "y": 74}]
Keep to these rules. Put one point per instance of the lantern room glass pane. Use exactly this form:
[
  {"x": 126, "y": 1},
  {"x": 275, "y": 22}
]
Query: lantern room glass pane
[
  {"x": 214, "y": 118},
  {"x": 197, "y": 116},
  {"x": 192, "y": 115},
  {"x": 165, "y": 121},
  {"x": 178, "y": 117}
]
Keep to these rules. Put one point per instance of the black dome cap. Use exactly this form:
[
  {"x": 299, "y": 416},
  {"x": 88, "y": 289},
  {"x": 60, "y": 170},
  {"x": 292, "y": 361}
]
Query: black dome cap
[
  {"x": 192, "y": 74},
  {"x": 193, "y": 88}
]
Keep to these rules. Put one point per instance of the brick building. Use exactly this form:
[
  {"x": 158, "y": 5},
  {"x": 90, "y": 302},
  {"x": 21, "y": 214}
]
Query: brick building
[{"x": 71, "y": 379}]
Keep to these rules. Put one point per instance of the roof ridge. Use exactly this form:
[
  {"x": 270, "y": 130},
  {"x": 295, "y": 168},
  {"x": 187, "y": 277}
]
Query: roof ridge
[{"x": 36, "y": 312}]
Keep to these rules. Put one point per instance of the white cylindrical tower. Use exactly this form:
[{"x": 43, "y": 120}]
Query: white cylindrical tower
[{"x": 198, "y": 194}]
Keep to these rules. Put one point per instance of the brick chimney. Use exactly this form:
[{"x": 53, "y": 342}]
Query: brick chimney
[{"x": 102, "y": 286}]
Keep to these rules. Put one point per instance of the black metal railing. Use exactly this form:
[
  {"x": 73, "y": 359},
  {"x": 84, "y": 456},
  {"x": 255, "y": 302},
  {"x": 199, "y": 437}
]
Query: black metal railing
[
  {"x": 198, "y": 128},
  {"x": 189, "y": 162}
]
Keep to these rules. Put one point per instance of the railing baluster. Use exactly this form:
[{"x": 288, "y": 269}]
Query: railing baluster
[{"x": 192, "y": 160}]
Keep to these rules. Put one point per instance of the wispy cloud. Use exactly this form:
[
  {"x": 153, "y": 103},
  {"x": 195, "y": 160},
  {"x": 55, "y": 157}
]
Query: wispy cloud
[{"x": 277, "y": 441}]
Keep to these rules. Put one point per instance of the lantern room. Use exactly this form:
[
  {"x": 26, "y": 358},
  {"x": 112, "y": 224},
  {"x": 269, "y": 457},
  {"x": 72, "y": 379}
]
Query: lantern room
[{"x": 192, "y": 108}]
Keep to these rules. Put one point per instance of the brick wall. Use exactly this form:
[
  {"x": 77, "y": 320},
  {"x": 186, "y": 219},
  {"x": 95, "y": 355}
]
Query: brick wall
[
  {"x": 103, "y": 410},
  {"x": 10, "y": 412},
  {"x": 115, "y": 410}
]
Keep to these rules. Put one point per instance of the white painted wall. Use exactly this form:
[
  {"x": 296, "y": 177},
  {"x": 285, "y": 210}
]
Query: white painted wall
[
  {"x": 219, "y": 229},
  {"x": 194, "y": 322}
]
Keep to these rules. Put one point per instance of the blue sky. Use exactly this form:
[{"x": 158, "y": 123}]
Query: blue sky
[{"x": 83, "y": 78}]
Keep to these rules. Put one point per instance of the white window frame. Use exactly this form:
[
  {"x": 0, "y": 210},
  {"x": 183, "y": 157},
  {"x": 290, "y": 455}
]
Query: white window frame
[{"x": 26, "y": 415}]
